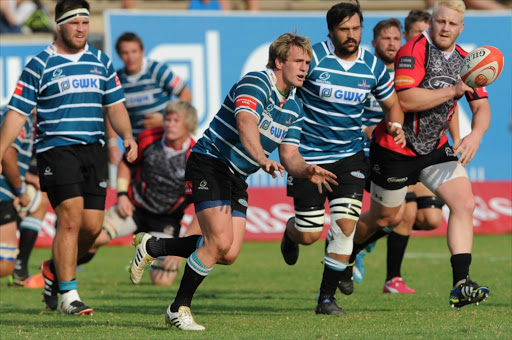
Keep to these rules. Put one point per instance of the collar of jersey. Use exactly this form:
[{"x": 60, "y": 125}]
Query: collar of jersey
[
  {"x": 52, "y": 49},
  {"x": 273, "y": 82}
]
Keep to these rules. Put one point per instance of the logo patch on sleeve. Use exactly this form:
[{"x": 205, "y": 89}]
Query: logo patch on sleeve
[
  {"x": 19, "y": 89},
  {"x": 118, "y": 82},
  {"x": 406, "y": 63},
  {"x": 246, "y": 101}
]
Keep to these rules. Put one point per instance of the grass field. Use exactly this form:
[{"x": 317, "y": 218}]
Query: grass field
[{"x": 260, "y": 297}]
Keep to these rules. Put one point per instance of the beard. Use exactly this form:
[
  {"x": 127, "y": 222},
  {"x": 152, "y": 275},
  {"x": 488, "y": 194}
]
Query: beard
[
  {"x": 384, "y": 57},
  {"x": 72, "y": 44},
  {"x": 342, "y": 49}
]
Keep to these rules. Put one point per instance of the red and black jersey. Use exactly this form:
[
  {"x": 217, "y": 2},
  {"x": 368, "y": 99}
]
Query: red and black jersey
[
  {"x": 158, "y": 179},
  {"x": 419, "y": 63}
]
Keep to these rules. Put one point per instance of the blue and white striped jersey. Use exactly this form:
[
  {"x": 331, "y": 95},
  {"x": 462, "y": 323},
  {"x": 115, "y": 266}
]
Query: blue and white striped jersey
[
  {"x": 373, "y": 113},
  {"x": 334, "y": 95},
  {"x": 256, "y": 93},
  {"x": 69, "y": 95},
  {"x": 23, "y": 145},
  {"x": 148, "y": 91}
]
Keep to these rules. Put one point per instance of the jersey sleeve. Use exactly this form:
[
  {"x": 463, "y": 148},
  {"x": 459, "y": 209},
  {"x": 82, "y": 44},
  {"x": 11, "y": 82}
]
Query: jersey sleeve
[
  {"x": 295, "y": 128},
  {"x": 113, "y": 92},
  {"x": 24, "y": 98},
  {"x": 168, "y": 80},
  {"x": 410, "y": 64},
  {"x": 251, "y": 94},
  {"x": 384, "y": 88}
]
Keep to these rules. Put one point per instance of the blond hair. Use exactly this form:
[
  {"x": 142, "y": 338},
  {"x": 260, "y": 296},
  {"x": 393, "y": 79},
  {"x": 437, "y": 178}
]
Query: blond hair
[
  {"x": 456, "y": 5},
  {"x": 179, "y": 106},
  {"x": 280, "y": 48}
]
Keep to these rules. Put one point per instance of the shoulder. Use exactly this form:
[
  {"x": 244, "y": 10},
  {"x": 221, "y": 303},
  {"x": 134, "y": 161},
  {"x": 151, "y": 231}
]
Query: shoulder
[
  {"x": 100, "y": 55},
  {"x": 415, "y": 46},
  {"x": 461, "y": 51},
  {"x": 321, "y": 49},
  {"x": 148, "y": 137}
]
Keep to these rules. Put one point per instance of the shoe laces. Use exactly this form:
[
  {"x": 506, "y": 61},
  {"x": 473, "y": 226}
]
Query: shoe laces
[{"x": 186, "y": 315}]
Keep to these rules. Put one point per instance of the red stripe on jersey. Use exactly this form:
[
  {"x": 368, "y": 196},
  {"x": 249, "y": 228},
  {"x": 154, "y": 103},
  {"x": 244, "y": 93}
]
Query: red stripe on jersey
[{"x": 247, "y": 102}]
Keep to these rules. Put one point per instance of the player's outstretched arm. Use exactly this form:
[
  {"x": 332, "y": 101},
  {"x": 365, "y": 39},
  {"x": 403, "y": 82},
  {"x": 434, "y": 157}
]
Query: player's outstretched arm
[
  {"x": 120, "y": 121},
  {"x": 468, "y": 146},
  {"x": 296, "y": 166},
  {"x": 247, "y": 126},
  {"x": 11, "y": 127},
  {"x": 418, "y": 99}
]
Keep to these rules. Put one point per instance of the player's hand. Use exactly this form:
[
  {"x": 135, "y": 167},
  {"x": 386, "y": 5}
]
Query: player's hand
[
  {"x": 152, "y": 120},
  {"x": 460, "y": 88},
  {"x": 131, "y": 149},
  {"x": 270, "y": 167},
  {"x": 397, "y": 133},
  {"x": 114, "y": 155},
  {"x": 319, "y": 176},
  {"x": 124, "y": 206},
  {"x": 32, "y": 179},
  {"x": 166, "y": 275},
  {"x": 25, "y": 199},
  {"x": 466, "y": 148}
]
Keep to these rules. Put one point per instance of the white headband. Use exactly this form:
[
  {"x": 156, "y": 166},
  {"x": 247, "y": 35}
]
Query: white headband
[{"x": 69, "y": 15}]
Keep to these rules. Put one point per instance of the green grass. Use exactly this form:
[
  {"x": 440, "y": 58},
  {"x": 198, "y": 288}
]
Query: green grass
[{"x": 260, "y": 297}]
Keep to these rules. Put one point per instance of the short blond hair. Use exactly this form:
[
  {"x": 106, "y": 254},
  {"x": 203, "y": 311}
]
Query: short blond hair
[
  {"x": 179, "y": 106},
  {"x": 280, "y": 48},
  {"x": 457, "y": 5}
]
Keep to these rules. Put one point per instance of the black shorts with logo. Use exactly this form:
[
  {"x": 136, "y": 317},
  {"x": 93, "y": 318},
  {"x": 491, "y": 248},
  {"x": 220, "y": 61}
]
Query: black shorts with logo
[
  {"x": 74, "y": 170},
  {"x": 147, "y": 222},
  {"x": 394, "y": 171},
  {"x": 209, "y": 179},
  {"x": 351, "y": 172}
]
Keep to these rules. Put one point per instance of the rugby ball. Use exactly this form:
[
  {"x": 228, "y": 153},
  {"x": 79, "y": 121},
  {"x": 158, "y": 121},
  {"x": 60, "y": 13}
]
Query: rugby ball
[
  {"x": 35, "y": 200},
  {"x": 482, "y": 66}
]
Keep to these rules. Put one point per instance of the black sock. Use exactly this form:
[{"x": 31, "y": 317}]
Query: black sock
[
  {"x": 460, "y": 266},
  {"x": 181, "y": 246},
  {"x": 28, "y": 238},
  {"x": 329, "y": 284},
  {"x": 85, "y": 258},
  {"x": 189, "y": 283},
  {"x": 358, "y": 247},
  {"x": 396, "y": 249}
]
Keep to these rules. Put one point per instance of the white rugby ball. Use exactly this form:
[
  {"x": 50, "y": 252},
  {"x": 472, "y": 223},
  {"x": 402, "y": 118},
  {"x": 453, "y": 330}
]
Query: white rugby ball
[
  {"x": 35, "y": 200},
  {"x": 482, "y": 66}
]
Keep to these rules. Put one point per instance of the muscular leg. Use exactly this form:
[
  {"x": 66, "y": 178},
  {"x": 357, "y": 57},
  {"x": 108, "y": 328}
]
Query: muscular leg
[
  {"x": 8, "y": 248},
  {"x": 460, "y": 221},
  {"x": 65, "y": 244}
]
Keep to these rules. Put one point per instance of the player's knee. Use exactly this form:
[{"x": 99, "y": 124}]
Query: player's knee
[
  {"x": 309, "y": 223},
  {"x": 8, "y": 253},
  {"x": 228, "y": 259},
  {"x": 463, "y": 206},
  {"x": 102, "y": 240}
]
